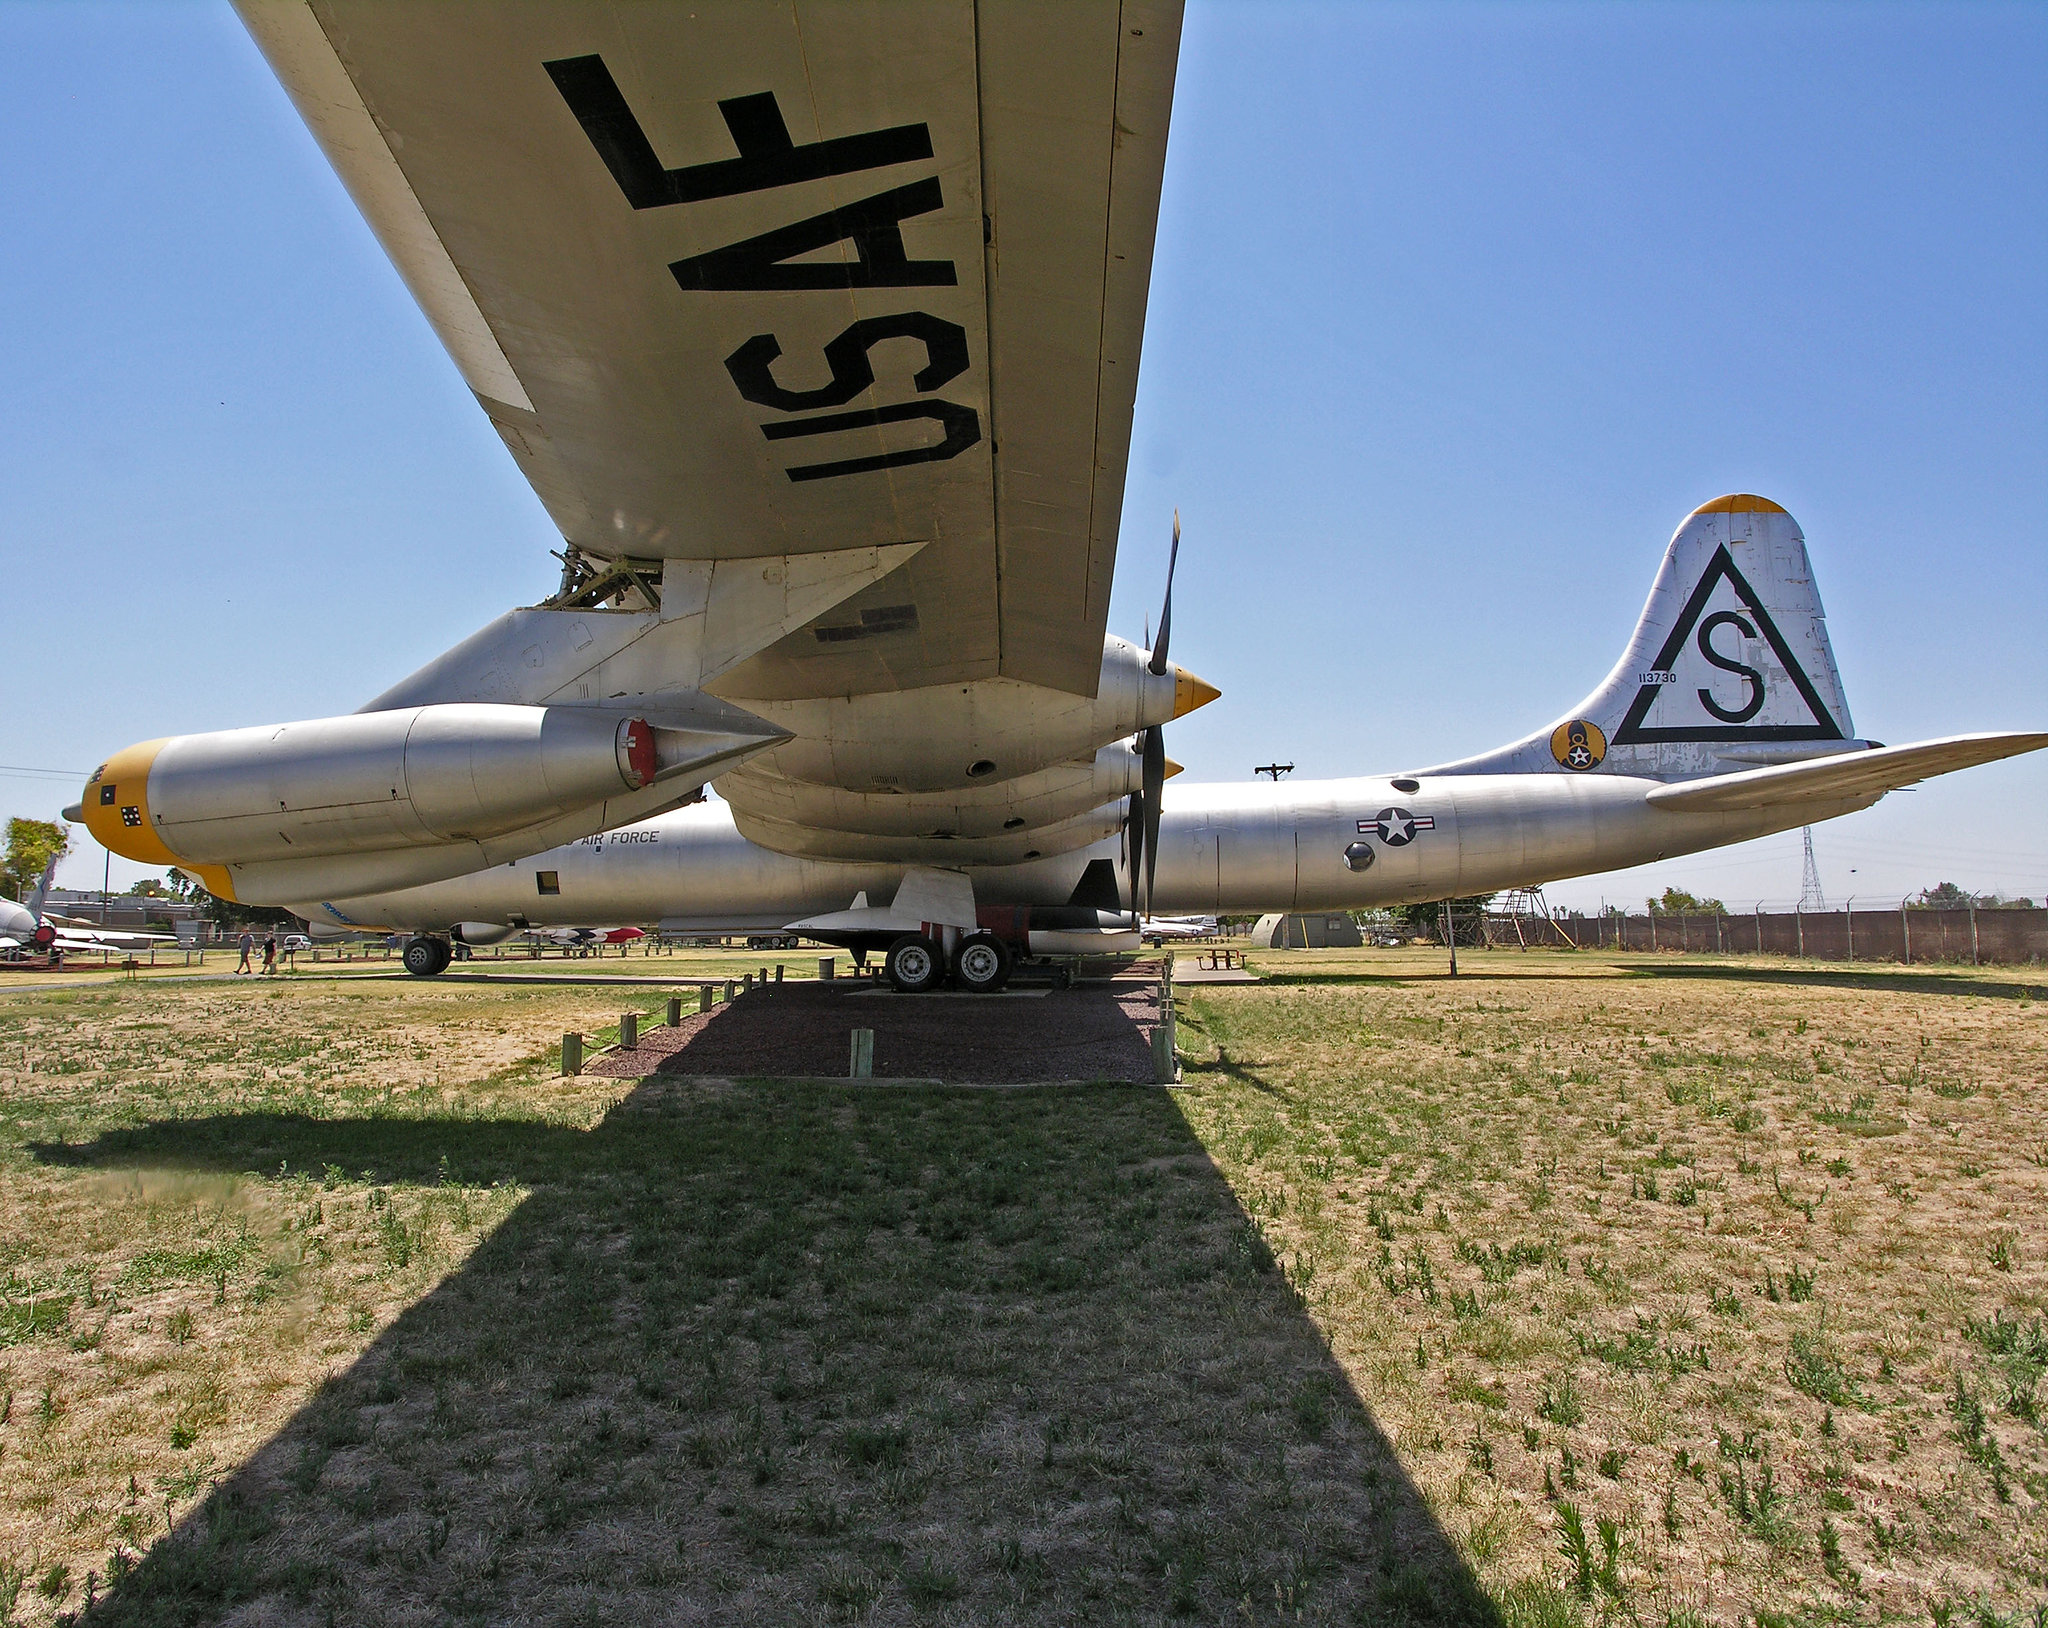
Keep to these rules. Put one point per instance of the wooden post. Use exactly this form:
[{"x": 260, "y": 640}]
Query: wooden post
[
  {"x": 731, "y": 989},
  {"x": 703, "y": 997},
  {"x": 572, "y": 1055},
  {"x": 860, "y": 1063},
  {"x": 778, "y": 972},
  {"x": 675, "y": 1010},
  {"x": 629, "y": 1030}
]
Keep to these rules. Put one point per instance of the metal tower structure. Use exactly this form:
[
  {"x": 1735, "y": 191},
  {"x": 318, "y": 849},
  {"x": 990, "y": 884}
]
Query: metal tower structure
[
  {"x": 1810, "y": 896},
  {"x": 1525, "y": 912}
]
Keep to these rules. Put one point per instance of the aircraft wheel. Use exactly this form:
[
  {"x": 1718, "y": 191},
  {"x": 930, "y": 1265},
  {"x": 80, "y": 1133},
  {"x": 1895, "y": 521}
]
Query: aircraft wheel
[
  {"x": 981, "y": 965},
  {"x": 914, "y": 964},
  {"x": 424, "y": 957}
]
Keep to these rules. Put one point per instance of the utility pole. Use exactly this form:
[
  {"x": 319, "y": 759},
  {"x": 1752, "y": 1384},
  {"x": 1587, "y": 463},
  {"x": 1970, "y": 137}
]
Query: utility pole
[
  {"x": 1276, "y": 770},
  {"x": 1810, "y": 897}
]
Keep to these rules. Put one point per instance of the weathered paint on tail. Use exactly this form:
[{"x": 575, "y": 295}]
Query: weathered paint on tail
[
  {"x": 1729, "y": 666},
  {"x": 41, "y": 890}
]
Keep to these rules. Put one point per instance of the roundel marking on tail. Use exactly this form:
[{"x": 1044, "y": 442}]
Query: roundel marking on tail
[{"x": 1578, "y": 744}]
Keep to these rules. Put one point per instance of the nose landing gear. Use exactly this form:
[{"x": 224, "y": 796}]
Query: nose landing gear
[{"x": 427, "y": 957}]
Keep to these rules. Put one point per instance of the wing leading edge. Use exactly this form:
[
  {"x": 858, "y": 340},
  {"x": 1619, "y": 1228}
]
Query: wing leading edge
[{"x": 734, "y": 281}]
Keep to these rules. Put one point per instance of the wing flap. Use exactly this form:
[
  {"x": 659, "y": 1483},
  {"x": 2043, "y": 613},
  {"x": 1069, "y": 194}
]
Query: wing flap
[{"x": 1841, "y": 778}]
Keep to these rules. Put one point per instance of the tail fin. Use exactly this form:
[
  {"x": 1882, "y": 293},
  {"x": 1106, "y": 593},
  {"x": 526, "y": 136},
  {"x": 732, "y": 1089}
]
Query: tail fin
[
  {"x": 40, "y": 891},
  {"x": 1729, "y": 666}
]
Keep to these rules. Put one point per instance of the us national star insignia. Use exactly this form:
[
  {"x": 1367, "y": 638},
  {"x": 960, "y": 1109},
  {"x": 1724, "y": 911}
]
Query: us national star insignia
[{"x": 1396, "y": 827}]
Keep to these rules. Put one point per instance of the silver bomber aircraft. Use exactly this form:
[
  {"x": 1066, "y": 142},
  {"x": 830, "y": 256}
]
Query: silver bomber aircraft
[
  {"x": 1723, "y": 720},
  {"x": 816, "y": 330}
]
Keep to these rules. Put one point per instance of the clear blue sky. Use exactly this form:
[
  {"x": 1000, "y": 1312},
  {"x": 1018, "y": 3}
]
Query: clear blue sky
[{"x": 1457, "y": 311}]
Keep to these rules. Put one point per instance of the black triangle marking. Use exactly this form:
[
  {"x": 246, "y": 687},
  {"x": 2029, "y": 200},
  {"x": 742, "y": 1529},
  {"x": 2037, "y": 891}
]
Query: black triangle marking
[{"x": 1632, "y": 732}]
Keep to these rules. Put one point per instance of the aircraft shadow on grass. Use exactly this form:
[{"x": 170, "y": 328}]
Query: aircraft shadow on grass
[
  {"x": 774, "y": 1352},
  {"x": 1875, "y": 982}
]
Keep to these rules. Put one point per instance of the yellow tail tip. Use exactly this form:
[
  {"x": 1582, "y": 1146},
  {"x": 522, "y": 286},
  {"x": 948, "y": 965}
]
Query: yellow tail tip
[{"x": 1740, "y": 503}]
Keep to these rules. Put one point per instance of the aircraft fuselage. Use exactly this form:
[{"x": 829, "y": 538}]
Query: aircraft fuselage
[{"x": 1300, "y": 845}]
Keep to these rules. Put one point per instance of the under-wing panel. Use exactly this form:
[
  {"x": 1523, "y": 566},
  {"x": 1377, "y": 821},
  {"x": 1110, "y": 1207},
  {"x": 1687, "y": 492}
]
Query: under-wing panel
[
  {"x": 1842, "y": 778},
  {"x": 736, "y": 280}
]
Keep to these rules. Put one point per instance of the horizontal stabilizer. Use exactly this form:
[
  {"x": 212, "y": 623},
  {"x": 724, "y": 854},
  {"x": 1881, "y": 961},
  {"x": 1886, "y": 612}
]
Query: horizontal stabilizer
[{"x": 1842, "y": 777}]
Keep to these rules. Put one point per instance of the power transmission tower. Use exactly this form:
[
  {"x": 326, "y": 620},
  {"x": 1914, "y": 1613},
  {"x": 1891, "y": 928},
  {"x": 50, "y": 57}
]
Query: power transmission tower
[{"x": 1810, "y": 896}]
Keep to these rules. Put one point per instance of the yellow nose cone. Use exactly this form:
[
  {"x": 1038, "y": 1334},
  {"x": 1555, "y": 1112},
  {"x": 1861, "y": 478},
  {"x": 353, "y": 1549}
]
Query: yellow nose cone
[
  {"x": 1190, "y": 692},
  {"x": 116, "y": 806},
  {"x": 1172, "y": 769}
]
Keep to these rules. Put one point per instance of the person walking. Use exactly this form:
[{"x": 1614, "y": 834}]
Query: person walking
[
  {"x": 248, "y": 944},
  {"x": 269, "y": 954}
]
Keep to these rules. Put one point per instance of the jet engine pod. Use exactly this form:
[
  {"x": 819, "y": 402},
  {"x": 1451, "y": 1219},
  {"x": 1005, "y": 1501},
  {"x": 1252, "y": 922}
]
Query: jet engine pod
[{"x": 372, "y": 781}]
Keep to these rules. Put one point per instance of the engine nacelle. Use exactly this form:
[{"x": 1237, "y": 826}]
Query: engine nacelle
[{"x": 377, "y": 781}]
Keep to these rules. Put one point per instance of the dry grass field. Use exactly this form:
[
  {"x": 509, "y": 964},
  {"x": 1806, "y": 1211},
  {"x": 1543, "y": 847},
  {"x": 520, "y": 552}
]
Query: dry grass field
[{"x": 1585, "y": 1288}]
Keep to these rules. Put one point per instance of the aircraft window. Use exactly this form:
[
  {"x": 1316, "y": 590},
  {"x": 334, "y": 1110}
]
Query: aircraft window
[
  {"x": 548, "y": 881},
  {"x": 1407, "y": 785},
  {"x": 979, "y": 767}
]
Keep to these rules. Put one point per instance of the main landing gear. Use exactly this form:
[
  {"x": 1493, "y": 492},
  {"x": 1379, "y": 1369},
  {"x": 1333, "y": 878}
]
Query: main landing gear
[
  {"x": 981, "y": 964},
  {"x": 426, "y": 957}
]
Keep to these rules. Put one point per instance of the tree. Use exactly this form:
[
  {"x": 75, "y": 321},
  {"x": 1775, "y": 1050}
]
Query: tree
[
  {"x": 1677, "y": 902},
  {"x": 225, "y": 914},
  {"x": 31, "y": 845},
  {"x": 1945, "y": 897},
  {"x": 1467, "y": 917}
]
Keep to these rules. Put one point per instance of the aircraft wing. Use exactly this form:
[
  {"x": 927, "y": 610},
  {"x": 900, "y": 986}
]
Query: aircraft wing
[
  {"x": 75, "y": 938},
  {"x": 1837, "y": 779},
  {"x": 740, "y": 280}
]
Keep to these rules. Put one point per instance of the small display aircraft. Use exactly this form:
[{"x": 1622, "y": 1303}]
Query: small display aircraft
[
  {"x": 29, "y": 929},
  {"x": 816, "y": 329}
]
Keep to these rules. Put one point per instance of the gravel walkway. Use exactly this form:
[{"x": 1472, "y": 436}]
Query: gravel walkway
[{"x": 1095, "y": 1031}]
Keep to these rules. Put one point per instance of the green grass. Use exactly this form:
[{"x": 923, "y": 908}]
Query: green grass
[{"x": 1578, "y": 1290}]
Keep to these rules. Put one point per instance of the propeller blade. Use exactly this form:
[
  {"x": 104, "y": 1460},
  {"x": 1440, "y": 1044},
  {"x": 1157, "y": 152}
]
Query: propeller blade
[
  {"x": 1158, "y": 662},
  {"x": 1134, "y": 848},
  {"x": 1155, "y": 781}
]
